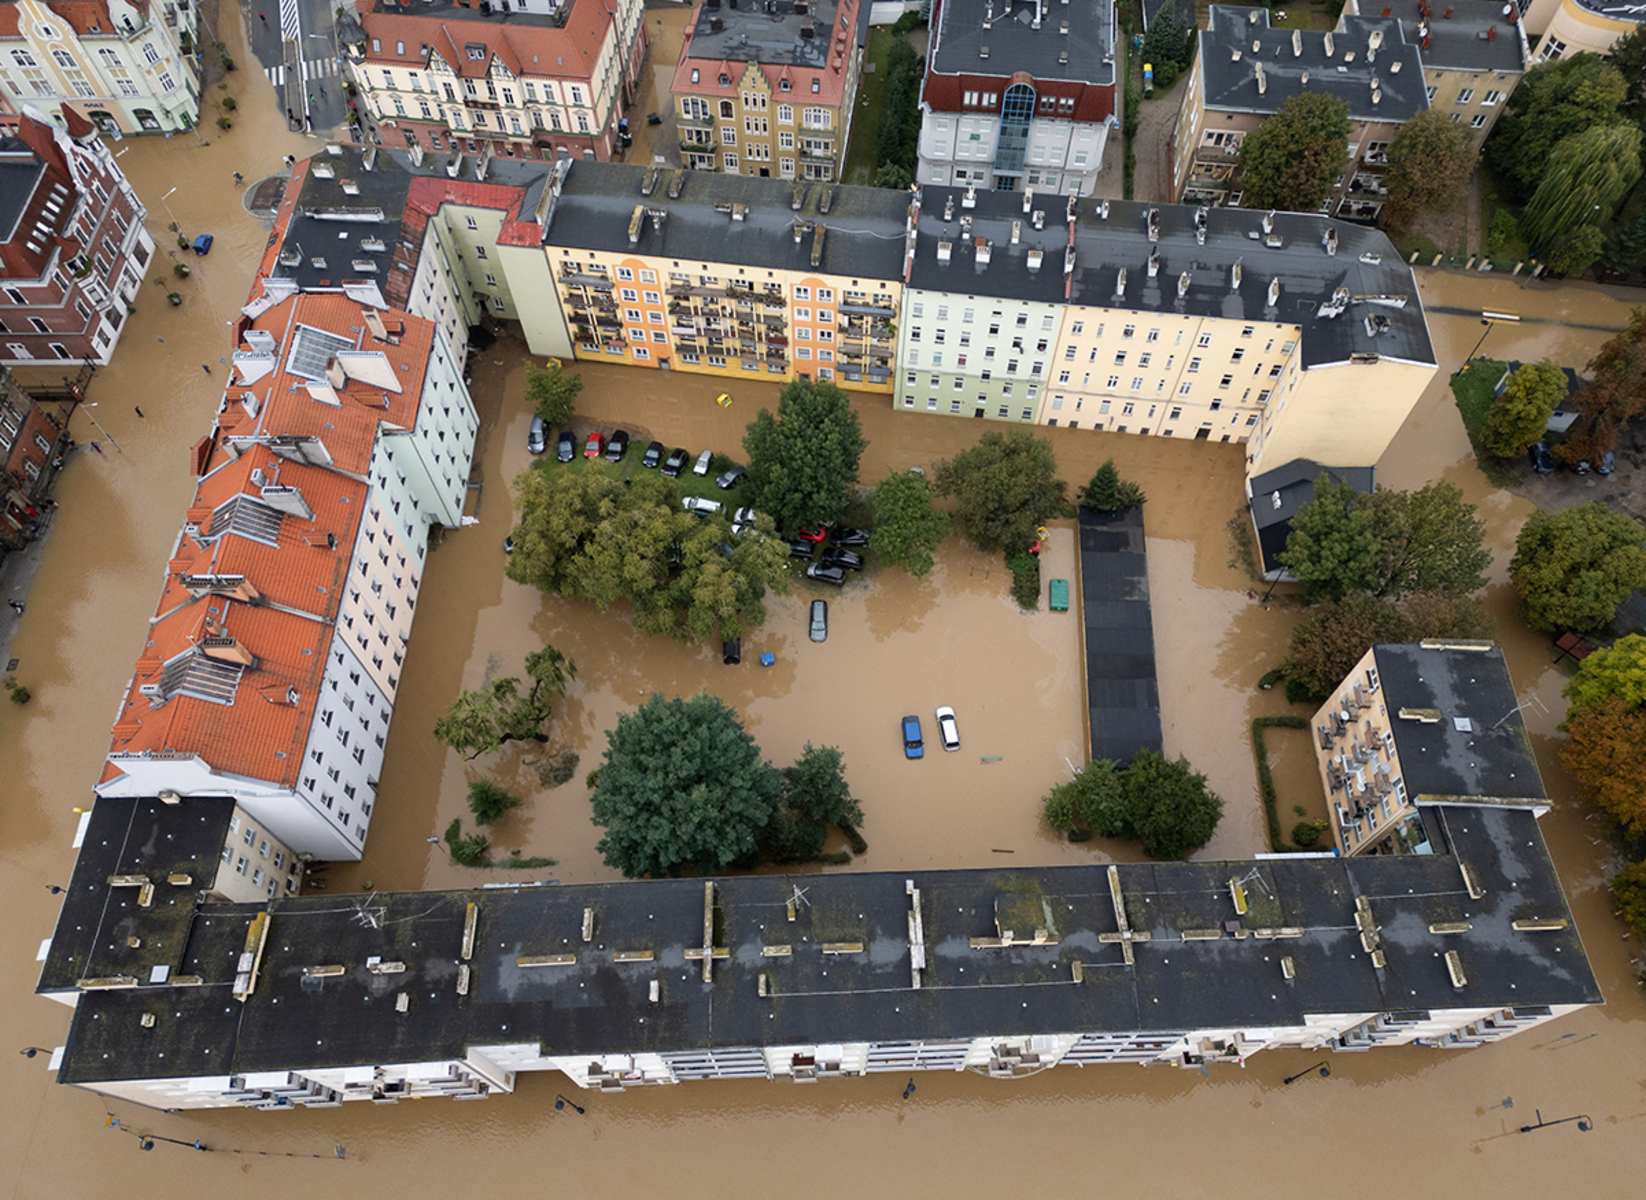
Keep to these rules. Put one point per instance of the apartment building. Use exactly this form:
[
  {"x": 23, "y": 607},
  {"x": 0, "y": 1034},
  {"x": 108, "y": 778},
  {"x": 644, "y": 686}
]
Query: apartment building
[
  {"x": 767, "y": 88},
  {"x": 728, "y": 275},
  {"x": 308, "y": 1001},
  {"x": 130, "y": 64},
  {"x": 1474, "y": 53},
  {"x": 1018, "y": 94},
  {"x": 1414, "y": 729},
  {"x": 1575, "y": 26},
  {"x": 271, "y": 667},
  {"x": 31, "y": 439},
  {"x": 538, "y": 79},
  {"x": 75, "y": 248}
]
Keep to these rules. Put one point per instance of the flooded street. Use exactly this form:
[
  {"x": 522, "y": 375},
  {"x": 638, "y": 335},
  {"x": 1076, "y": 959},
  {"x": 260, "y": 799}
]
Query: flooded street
[{"x": 895, "y": 645}]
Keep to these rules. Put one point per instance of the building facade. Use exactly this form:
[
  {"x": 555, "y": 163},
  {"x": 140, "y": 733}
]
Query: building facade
[
  {"x": 32, "y": 441},
  {"x": 132, "y": 65},
  {"x": 75, "y": 248},
  {"x": 541, "y": 79},
  {"x": 1018, "y": 94},
  {"x": 1575, "y": 26},
  {"x": 769, "y": 89}
]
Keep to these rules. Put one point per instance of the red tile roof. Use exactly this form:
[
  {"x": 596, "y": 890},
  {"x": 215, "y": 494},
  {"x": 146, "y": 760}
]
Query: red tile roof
[{"x": 529, "y": 50}]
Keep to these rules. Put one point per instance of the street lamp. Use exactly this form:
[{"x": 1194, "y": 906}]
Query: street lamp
[
  {"x": 560, "y": 1103},
  {"x": 99, "y": 424},
  {"x": 1584, "y": 1122},
  {"x": 1489, "y": 319},
  {"x": 1325, "y": 1073},
  {"x": 169, "y": 212}
]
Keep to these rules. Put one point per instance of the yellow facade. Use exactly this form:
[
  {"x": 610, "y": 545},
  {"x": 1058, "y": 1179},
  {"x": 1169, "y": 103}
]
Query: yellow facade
[
  {"x": 1338, "y": 414},
  {"x": 1359, "y": 766},
  {"x": 761, "y": 132},
  {"x": 1574, "y": 29}
]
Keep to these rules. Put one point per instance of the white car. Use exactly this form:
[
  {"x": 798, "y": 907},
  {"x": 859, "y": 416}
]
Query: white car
[
  {"x": 701, "y": 466},
  {"x": 947, "y": 731},
  {"x": 742, "y": 520},
  {"x": 700, "y": 506}
]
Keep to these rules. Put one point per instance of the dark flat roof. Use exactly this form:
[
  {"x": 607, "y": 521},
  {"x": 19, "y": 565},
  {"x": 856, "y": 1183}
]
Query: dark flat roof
[
  {"x": 346, "y": 230},
  {"x": 1014, "y": 44},
  {"x": 769, "y": 31},
  {"x": 1278, "y": 494},
  {"x": 1456, "y": 42},
  {"x": 1122, "y": 692},
  {"x": 1479, "y": 747}
]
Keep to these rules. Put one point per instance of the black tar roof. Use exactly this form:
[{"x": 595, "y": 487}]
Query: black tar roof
[
  {"x": 847, "y": 974},
  {"x": 1014, "y": 44},
  {"x": 1456, "y": 42},
  {"x": 20, "y": 173},
  {"x": 1278, "y": 494},
  {"x": 1479, "y": 747},
  {"x": 1122, "y": 691},
  {"x": 340, "y": 232},
  {"x": 1366, "y": 266},
  {"x": 863, "y": 235},
  {"x": 768, "y": 31},
  {"x": 1229, "y": 66}
]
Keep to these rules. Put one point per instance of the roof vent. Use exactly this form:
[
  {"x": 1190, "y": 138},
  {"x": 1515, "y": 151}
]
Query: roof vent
[
  {"x": 1120, "y": 285},
  {"x": 1394, "y": 68},
  {"x": 983, "y": 52},
  {"x": 1182, "y": 285},
  {"x": 1329, "y": 49},
  {"x": 945, "y": 251},
  {"x": 1262, "y": 80},
  {"x": 1297, "y": 43}
]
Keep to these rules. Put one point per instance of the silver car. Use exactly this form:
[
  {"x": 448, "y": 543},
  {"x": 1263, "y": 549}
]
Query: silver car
[
  {"x": 948, "y": 732},
  {"x": 820, "y": 620}
]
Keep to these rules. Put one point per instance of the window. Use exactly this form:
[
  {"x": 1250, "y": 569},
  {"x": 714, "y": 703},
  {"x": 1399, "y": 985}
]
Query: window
[
  {"x": 1205, "y": 339},
  {"x": 1114, "y": 382},
  {"x": 1183, "y": 388},
  {"x": 1491, "y": 99},
  {"x": 1466, "y": 95},
  {"x": 1120, "y": 358},
  {"x": 1128, "y": 331},
  {"x": 1194, "y": 365},
  {"x": 1225, "y": 381},
  {"x": 1478, "y": 121},
  {"x": 1430, "y": 92},
  {"x": 1237, "y": 355}
]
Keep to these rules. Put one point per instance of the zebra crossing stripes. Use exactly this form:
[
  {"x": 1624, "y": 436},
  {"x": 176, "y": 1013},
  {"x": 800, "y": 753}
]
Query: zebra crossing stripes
[{"x": 323, "y": 68}]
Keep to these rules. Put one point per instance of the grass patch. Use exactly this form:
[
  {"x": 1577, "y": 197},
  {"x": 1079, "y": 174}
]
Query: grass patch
[
  {"x": 1243, "y": 548},
  {"x": 1301, "y": 16},
  {"x": 1474, "y": 388},
  {"x": 1265, "y": 778},
  {"x": 1425, "y": 249},
  {"x": 863, "y": 153}
]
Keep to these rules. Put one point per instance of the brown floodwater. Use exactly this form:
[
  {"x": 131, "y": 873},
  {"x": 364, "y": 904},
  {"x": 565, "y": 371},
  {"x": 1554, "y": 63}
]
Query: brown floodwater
[{"x": 895, "y": 645}]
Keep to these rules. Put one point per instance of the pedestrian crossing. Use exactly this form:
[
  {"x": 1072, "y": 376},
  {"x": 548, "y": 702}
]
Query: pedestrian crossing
[{"x": 319, "y": 69}]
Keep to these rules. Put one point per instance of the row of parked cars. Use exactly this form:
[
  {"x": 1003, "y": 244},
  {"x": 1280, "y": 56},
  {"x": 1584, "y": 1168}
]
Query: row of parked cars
[
  {"x": 615, "y": 447},
  {"x": 948, "y": 733},
  {"x": 1543, "y": 462}
]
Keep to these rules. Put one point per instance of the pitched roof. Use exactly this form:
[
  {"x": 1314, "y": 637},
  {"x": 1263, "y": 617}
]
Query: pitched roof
[{"x": 528, "y": 44}]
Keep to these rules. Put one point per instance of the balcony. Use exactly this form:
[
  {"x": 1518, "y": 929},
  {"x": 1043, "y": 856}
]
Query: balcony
[{"x": 867, "y": 310}]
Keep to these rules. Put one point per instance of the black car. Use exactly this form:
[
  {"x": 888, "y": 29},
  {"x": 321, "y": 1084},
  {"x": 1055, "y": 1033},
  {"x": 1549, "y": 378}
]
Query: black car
[
  {"x": 834, "y": 556},
  {"x": 676, "y": 462},
  {"x": 849, "y": 537},
  {"x": 731, "y": 651},
  {"x": 824, "y": 573},
  {"x": 618, "y": 446},
  {"x": 730, "y": 478},
  {"x": 654, "y": 455},
  {"x": 802, "y": 549},
  {"x": 1542, "y": 461},
  {"x": 568, "y": 446}
]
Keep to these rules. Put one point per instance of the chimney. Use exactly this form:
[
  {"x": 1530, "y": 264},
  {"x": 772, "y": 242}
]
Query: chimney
[
  {"x": 1297, "y": 43},
  {"x": 1035, "y": 259},
  {"x": 1154, "y": 224},
  {"x": 969, "y": 200},
  {"x": 1262, "y": 81},
  {"x": 1491, "y": 34},
  {"x": 1374, "y": 40},
  {"x": 1234, "y": 277},
  {"x": 1120, "y": 285},
  {"x": 1017, "y": 232},
  {"x": 984, "y": 249},
  {"x": 1269, "y": 221},
  {"x": 1154, "y": 261},
  {"x": 374, "y": 322},
  {"x": 1039, "y": 218},
  {"x": 1274, "y": 292},
  {"x": 1394, "y": 67},
  {"x": 1377, "y": 96},
  {"x": 636, "y": 222},
  {"x": 1028, "y": 199},
  {"x": 1329, "y": 50},
  {"x": 948, "y": 207},
  {"x": 1103, "y": 210},
  {"x": 1182, "y": 285},
  {"x": 944, "y": 251},
  {"x": 1330, "y": 241}
]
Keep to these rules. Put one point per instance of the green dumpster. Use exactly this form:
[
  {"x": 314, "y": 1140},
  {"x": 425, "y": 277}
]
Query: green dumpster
[{"x": 1059, "y": 593}]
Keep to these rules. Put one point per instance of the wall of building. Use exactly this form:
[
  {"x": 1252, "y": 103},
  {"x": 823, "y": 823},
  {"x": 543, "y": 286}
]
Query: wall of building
[
  {"x": 962, "y": 354},
  {"x": 1340, "y": 414},
  {"x": 255, "y": 864},
  {"x": 751, "y": 129},
  {"x": 1574, "y": 29},
  {"x": 537, "y": 300}
]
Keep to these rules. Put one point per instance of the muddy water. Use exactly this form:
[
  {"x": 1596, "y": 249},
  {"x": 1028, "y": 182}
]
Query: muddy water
[{"x": 895, "y": 645}]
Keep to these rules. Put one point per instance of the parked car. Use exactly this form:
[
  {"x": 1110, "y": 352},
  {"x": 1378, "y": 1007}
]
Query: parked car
[
  {"x": 914, "y": 745},
  {"x": 1542, "y": 461},
  {"x": 701, "y": 466},
  {"x": 742, "y": 520},
  {"x": 654, "y": 455},
  {"x": 700, "y": 506},
  {"x": 806, "y": 551},
  {"x": 568, "y": 446},
  {"x": 854, "y": 538},
  {"x": 537, "y": 440},
  {"x": 836, "y": 557},
  {"x": 816, "y": 534},
  {"x": 820, "y": 620},
  {"x": 508, "y": 544},
  {"x": 948, "y": 732},
  {"x": 676, "y": 462},
  {"x": 618, "y": 446},
  {"x": 824, "y": 573},
  {"x": 595, "y": 446},
  {"x": 730, "y": 478},
  {"x": 731, "y": 651}
]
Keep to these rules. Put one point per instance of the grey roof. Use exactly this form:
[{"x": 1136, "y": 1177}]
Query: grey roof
[
  {"x": 1240, "y": 38},
  {"x": 1377, "y": 287},
  {"x": 1479, "y": 747},
  {"x": 1122, "y": 691},
  {"x": 1293, "y": 485},
  {"x": 769, "y": 31},
  {"x": 1460, "y": 36},
  {"x": 1014, "y": 44},
  {"x": 863, "y": 229},
  {"x": 1617, "y": 10},
  {"x": 346, "y": 231},
  {"x": 20, "y": 172},
  {"x": 596, "y": 1004}
]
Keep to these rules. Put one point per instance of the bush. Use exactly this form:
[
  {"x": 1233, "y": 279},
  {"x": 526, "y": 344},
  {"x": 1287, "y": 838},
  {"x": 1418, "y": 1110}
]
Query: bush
[
  {"x": 1298, "y": 692},
  {"x": 1504, "y": 230},
  {"x": 472, "y": 851},
  {"x": 490, "y": 803},
  {"x": 556, "y": 769},
  {"x": 18, "y": 693},
  {"x": 225, "y": 122},
  {"x": 229, "y": 103},
  {"x": 908, "y": 23},
  {"x": 1025, "y": 569},
  {"x": 1265, "y": 779},
  {"x": 1629, "y": 891},
  {"x": 1306, "y": 833},
  {"x": 854, "y": 839},
  {"x": 1133, "y": 113},
  {"x": 181, "y": 270}
]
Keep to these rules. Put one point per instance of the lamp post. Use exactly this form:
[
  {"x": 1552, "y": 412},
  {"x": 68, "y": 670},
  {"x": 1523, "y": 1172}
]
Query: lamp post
[
  {"x": 1489, "y": 319},
  {"x": 99, "y": 424},
  {"x": 169, "y": 213},
  {"x": 560, "y": 1103},
  {"x": 1584, "y": 1122},
  {"x": 1325, "y": 1073}
]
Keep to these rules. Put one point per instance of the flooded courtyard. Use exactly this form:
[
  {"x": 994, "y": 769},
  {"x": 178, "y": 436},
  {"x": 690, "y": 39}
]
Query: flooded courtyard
[{"x": 895, "y": 645}]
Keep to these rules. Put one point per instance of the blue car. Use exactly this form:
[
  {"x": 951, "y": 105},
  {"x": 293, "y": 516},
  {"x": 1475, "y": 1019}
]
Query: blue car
[{"x": 913, "y": 745}]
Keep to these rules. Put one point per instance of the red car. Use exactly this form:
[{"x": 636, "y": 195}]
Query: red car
[
  {"x": 595, "y": 446},
  {"x": 813, "y": 535}
]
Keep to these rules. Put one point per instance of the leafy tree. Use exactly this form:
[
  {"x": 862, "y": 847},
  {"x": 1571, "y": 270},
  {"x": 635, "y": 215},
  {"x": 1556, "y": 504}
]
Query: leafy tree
[
  {"x": 490, "y": 803},
  {"x": 1586, "y": 178},
  {"x": 471, "y": 851},
  {"x": 790, "y": 838},
  {"x": 1163, "y": 804},
  {"x": 1625, "y": 251},
  {"x": 1331, "y": 547},
  {"x": 907, "y": 529},
  {"x": 1617, "y": 389},
  {"x": 1618, "y": 670},
  {"x": 816, "y": 787},
  {"x": 892, "y": 175},
  {"x": 1077, "y": 807},
  {"x": 1328, "y": 642},
  {"x": 1628, "y": 56},
  {"x": 1006, "y": 486},
  {"x": 1522, "y": 410},
  {"x": 1430, "y": 162},
  {"x": 1605, "y": 750},
  {"x": 1629, "y": 891},
  {"x": 480, "y": 721},
  {"x": 803, "y": 460},
  {"x": 1106, "y": 491},
  {"x": 1572, "y": 569},
  {"x": 1445, "y": 615},
  {"x": 551, "y": 392},
  {"x": 899, "y": 140},
  {"x": 1292, "y": 160},
  {"x": 682, "y": 785},
  {"x": 1554, "y": 101},
  {"x": 1165, "y": 46}
]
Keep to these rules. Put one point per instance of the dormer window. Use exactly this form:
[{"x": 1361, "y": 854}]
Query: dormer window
[
  {"x": 817, "y": 85},
  {"x": 400, "y": 48},
  {"x": 725, "y": 80},
  {"x": 783, "y": 85},
  {"x": 477, "y": 52},
  {"x": 695, "y": 74}
]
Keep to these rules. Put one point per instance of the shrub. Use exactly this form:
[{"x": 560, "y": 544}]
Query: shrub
[
  {"x": 18, "y": 693},
  {"x": 1504, "y": 230},
  {"x": 1025, "y": 569},
  {"x": 230, "y": 103},
  {"x": 854, "y": 839},
  {"x": 1305, "y": 834},
  {"x": 469, "y": 851},
  {"x": 1298, "y": 692},
  {"x": 181, "y": 270},
  {"x": 490, "y": 803},
  {"x": 557, "y": 768},
  {"x": 1629, "y": 891},
  {"x": 225, "y": 122}
]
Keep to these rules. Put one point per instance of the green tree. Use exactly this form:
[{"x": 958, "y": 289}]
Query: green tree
[
  {"x": 1106, "y": 491},
  {"x": 892, "y": 175},
  {"x": 1445, "y": 615},
  {"x": 1554, "y": 101},
  {"x": 471, "y": 851},
  {"x": 1572, "y": 569},
  {"x": 1165, "y": 805},
  {"x": 1006, "y": 487},
  {"x": 480, "y": 721},
  {"x": 1586, "y": 178},
  {"x": 682, "y": 785},
  {"x": 1628, "y": 56},
  {"x": 551, "y": 392},
  {"x": 1629, "y": 892},
  {"x": 559, "y": 513},
  {"x": 490, "y": 803},
  {"x": 1078, "y": 808},
  {"x": 1430, "y": 163},
  {"x": 1522, "y": 410},
  {"x": 907, "y": 529},
  {"x": 1625, "y": 251},
  {"x": 803, "y": 460},
  {"x": 1605, "y": 750},
  {"x": 1618, "y": 670},
  {"x": 1328, "y": 642},
  {"x": 1617, "y": 387},
  {"x": 899, "y": 140},
  {"x": 1577, "y": 251},
  {"x": 1293, "y": 159},
  {"x": 1165, "y": 46},
  {"x": 1332, "y": 548},
  {"x": 816, "y": 788}
]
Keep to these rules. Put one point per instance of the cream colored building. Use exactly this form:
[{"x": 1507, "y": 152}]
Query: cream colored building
[
  {"x": 1575, "y": 26},
  {"x": 254, "y": 864}
]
